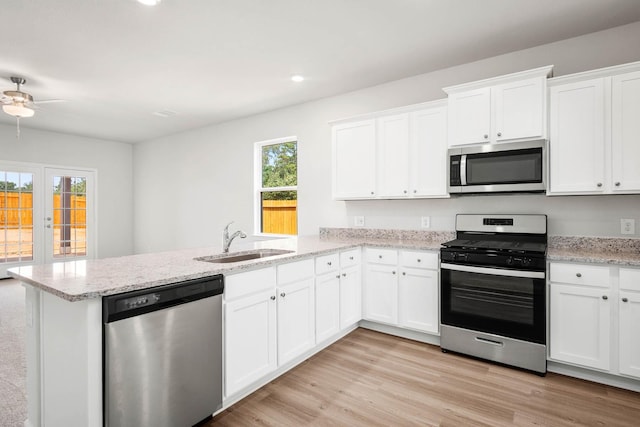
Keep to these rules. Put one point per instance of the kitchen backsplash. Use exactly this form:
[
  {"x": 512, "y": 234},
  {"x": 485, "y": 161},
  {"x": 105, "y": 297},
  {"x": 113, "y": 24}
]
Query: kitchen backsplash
[
  {"x": 612, "y": 245},
  {"x": 378, "y": 233}
]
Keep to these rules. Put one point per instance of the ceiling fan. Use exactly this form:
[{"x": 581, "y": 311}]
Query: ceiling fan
[{"x": 20, "y": 104}]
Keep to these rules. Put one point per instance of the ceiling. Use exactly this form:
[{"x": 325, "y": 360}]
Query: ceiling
[{"x": 117, "y": 62}]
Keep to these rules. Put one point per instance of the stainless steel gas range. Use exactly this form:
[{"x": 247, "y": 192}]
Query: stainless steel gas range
[{"x": 492, "y": 287}]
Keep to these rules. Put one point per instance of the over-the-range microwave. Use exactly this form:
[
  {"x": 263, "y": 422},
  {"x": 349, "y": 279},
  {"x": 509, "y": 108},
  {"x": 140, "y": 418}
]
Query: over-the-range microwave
[{"x": 498, "y": 168}]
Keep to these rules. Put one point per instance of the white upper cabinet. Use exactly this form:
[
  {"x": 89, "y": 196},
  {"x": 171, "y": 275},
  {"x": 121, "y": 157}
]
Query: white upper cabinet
[
  {"x": 576, "y": 148},
  {"x": 393, "y": 157},
  {"x": 594, "y": 146},
  {"x": 625, "y": 136},
  {"x": 354, "y": 160},
  {"x": 407, "y": 148},
  {"x": 507, "y": 108}
]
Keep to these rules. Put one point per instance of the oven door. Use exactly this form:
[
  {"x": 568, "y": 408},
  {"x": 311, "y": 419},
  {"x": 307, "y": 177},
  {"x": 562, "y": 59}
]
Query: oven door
[{"x": 509, "y": 303}]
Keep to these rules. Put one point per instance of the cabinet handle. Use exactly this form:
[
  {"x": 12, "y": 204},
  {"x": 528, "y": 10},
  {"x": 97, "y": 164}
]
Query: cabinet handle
[
  {"x": 393, "y": 272},
  {"x": 419, "y": 260},
  {"x": 329, "y": 263},
  {"x": 604, "y": 297},
  {"x": 282, "y": 294},
  {"x": 344, "y": 274},
  {"x": 415, "y": 191},
  {"x": 625, "y": 299},
  {"x": 578, "y": 275},
  {"x": 273, "y": 297},
  {"x": 404, "y": 273},
  {"x": 617, "y": 184},
  {"x": 486, "y": 136},
  {"x": 380, "y": 256},
  {"x": 351, "y": 258},
  {"x": 338, "y": 276},
  {"x": 599, "y": 184},
  {"x": 372, "y": 193},
  {"x": 405, "y": 191},
  {"x": 499, "y": 133}
]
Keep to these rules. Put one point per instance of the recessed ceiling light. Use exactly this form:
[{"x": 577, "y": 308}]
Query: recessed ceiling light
[
  {"x": 297, "y": 78},
  {"x": 149, "y": 2}
]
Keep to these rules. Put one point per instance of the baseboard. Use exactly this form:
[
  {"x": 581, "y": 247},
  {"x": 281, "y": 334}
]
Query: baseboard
[
  {"x": 401, "y": 332},
  {"x": 593, "y": 376}
]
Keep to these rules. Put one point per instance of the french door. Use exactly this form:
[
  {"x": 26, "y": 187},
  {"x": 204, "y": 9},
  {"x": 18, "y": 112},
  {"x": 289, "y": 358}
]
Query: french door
[{"x": 46, "y": 215}]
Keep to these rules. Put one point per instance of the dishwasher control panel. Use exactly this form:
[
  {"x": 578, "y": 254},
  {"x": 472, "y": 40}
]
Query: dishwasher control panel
[{"x": 137, "y": 302}]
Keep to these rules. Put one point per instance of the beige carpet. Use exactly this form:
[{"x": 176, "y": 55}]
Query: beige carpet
[{"x": 13, "y": 402}]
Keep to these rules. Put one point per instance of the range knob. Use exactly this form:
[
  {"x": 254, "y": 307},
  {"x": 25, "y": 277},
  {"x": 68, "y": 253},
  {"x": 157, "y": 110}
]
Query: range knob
[
  {"x": 509, "y": 260},
  {"x": 526, "y": 262}
]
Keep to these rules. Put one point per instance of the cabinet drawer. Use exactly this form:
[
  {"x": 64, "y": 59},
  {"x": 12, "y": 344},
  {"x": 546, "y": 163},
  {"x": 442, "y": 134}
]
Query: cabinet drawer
[
  {"x": 419, "y": 259},
  {"x": 295, "y": 271},
  {"x": 349, "y": 258},
  {"x": 241, "y": 284},
  {"x": 382, "y": 256},
  {"x": 327, "y": 263},
  {"x": 630, "y": 279},
  {"x": 579, "y": 274}
]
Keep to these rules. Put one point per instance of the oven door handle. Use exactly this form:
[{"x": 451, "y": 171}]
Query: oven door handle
[{"x": 494, "y": 271}]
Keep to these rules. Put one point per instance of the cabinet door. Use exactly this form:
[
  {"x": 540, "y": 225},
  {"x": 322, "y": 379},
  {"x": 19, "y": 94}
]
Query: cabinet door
[
  {"x": 576, "y": 145},
  {"x": 519, "y": 110},
  {"x": 350, "y": 297},
  {"x": 428, "y": 152},
  {"x": 249, "y": 340},
  {"x": 381, "y": 294},
  {"x": 625, "y": 135},
  {"x": 296, "y": 319},
  {"x": 393, "y": 156},
  {"x": 629, "y": 340},
  {"x": 354, "y": 160},
  {"x": 469, "y": 117},
  {"x": 327, "y": 306},
  {"x": 580, "y": 325},
  {"x": 418, "y": 299}
]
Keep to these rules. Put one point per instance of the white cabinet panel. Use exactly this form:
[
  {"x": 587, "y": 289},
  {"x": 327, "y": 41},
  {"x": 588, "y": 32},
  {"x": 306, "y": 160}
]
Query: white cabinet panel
[
  {"x": 327, "y": 306},
  {"x": 629, "y": 312},
  {"x": 576, "y": 146},
  {"x": 418, "y": 299},
  {"x": 350, "y": 296},
  {"x": 625, "y": 137},
  {"x": 428, "y": 152},
  {"x": 580, "y": 325},
  {"x": 354, "y": 160},
  {"x": 393, "y": 155},
  {"x": 296, "y": 319},
  {"x": 519, "y": 110},
  {"x": 469, "y": 117},
  {"x": 381, "y": 293},
  {"x": 250, "y": 340}
]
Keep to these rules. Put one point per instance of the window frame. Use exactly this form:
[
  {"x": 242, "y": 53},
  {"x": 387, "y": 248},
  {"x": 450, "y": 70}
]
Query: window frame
[{"x": 258, "y": 189}]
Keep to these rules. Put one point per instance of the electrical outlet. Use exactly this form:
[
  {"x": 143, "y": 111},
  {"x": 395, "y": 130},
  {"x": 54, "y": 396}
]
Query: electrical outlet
[
  {"x": 358, "y": 221},
  {"x": 627, "y": 226},
  {"x": 425, "y": 222}
]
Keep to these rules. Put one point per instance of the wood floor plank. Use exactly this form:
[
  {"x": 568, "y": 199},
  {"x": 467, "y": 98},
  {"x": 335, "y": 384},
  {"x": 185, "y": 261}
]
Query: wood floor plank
[{"x": 373, "y": 379}]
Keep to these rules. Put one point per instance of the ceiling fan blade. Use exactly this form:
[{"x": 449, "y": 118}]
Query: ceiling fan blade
[{"x": 49, "y": 101}]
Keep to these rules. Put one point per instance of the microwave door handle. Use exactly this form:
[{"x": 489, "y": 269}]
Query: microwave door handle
[{"x": 463, "y": 169}]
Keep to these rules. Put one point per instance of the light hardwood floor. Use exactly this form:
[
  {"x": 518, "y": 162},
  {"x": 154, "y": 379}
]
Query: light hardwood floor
[{"x": 373, "y": 379}]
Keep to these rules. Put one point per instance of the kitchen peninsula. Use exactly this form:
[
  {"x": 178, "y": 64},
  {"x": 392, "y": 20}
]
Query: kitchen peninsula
[{"x": 64, "y": 303}]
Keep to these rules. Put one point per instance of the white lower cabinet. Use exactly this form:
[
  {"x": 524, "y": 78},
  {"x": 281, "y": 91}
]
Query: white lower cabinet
[
  {"x": 350, "y": 295},
  {"x": 594, "y": 316},
  {"x": 327, "y": 305},
  {"x": 629, "y": 311},
  {"x": 296, "y": 309},
  {"x": 250, "y": 341},
  {"x": 401, "y": 289}
]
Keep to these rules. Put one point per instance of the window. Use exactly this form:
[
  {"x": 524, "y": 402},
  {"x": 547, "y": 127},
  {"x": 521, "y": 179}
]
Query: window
[
  {"x": 16, "y": 216},
  {"x": 276, "y": 173}
]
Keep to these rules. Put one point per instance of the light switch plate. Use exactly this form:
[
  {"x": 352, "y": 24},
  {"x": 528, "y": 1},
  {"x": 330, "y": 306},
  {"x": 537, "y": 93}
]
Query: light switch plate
[
  {"x": 627, "y": 226},
  {"x": 358, "y": 221},
  {"x": 425, "y": 222}
]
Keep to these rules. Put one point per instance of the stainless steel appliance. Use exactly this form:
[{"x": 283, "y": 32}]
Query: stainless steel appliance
[
  {"x": 163, "y": 354},
  {"x": 492, "y": 288},
  {"x": 495, "y": 168}
]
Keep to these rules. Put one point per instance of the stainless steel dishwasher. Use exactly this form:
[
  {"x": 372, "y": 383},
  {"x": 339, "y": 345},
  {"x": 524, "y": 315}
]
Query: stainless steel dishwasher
[{"x": 163, "y": 354}]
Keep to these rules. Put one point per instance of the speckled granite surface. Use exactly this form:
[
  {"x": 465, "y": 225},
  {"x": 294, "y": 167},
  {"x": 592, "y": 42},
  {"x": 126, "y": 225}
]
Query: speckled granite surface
[{"x": 597, "y": 250}]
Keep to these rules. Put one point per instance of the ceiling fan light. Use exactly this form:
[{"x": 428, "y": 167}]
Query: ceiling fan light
[{"x": 18, "y": 110}]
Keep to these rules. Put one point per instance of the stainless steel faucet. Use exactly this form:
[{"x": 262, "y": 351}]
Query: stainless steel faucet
[{"x": 226, "y": 239}]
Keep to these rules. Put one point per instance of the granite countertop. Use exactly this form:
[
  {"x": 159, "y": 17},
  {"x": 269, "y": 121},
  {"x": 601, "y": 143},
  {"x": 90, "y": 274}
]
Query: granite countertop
[
  {"x": 85, "y": 279},
  {"x": 80, "y": 280}
]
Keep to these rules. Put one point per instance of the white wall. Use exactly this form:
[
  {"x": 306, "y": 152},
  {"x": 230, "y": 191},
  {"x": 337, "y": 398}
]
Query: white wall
[
  {"x": 187, "y": 186},
  {"x": 113, "y": 162}
]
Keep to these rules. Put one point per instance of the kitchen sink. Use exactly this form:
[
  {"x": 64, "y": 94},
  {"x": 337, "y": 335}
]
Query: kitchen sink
[{"x": 243, "y": 256}]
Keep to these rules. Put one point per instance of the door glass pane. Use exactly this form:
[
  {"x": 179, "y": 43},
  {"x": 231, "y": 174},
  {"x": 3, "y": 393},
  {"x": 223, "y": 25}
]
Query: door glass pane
[
  {"x": 69, "y": 216},
  {"x": 16, "y": 216}
]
